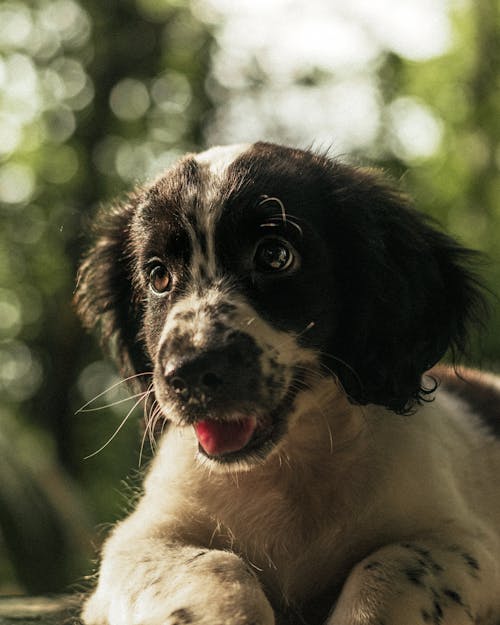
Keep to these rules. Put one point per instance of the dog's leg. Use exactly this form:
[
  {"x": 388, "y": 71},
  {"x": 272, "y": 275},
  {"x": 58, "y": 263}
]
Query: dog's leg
[
  {"x": 152, "y": 579},
  {"x": 419, "y": 582}
]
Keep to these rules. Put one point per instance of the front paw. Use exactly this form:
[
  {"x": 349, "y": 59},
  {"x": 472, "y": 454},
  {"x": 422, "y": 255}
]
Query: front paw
[
  {"x": 216, "y": 588},
  {"x": 412, "y": 583}
]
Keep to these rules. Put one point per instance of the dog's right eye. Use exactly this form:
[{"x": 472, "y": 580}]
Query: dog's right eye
[
  {"x": 160, "y": 280},
  {"x": 273, "y": 254}
]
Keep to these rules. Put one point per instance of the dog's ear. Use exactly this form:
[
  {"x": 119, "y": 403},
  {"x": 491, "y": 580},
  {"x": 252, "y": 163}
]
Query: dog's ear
[
  {"x": 409, "y": 292},
  {"x": 104, "y": 295}
]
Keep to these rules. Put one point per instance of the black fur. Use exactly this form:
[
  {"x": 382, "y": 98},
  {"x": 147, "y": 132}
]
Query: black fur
[
  {"x": 389, "y": 294},
  {"x": 408, "y": 293},
  {"x": 105, "y": 295}
]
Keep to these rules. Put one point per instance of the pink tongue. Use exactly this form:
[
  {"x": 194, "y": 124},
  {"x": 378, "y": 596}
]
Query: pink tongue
[{"x": 223, "y": 437}]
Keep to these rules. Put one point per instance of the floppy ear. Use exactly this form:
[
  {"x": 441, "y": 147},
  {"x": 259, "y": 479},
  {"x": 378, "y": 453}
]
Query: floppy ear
[
  {"x": 104, "y": 295},
  {"x": 408, "y": 293}
]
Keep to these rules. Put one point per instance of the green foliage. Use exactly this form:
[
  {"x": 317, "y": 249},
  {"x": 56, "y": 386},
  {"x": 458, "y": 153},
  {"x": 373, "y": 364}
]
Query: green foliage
[
  {"x": 95, "y": 98},
  {"x": 460, "y": 182}
]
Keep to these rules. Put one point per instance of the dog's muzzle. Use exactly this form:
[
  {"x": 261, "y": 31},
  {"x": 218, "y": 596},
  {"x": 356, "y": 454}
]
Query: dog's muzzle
[
  {"x": 217, "y": 389},
  {"x": 217, "y": 375}
]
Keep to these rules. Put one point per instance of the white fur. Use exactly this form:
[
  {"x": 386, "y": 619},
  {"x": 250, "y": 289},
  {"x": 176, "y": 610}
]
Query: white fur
[
  {"x": 347, "y": 482},
  {"x": 215, "y": 162},
  {"x": 218, "y": 158}
]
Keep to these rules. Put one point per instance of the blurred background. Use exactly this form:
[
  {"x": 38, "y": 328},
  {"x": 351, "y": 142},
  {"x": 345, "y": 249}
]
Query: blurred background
[{"x": 98, "y": 96}]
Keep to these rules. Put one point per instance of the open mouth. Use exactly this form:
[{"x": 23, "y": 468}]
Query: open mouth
[
  {"x": 237, "y": 439},
  {"x": 219, "y": 438},
  {"x": 242, "y": 439}
]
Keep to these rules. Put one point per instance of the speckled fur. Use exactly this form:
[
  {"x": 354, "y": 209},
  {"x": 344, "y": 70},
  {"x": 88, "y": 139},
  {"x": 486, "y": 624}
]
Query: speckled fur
[{"x": 359, "y": 513}]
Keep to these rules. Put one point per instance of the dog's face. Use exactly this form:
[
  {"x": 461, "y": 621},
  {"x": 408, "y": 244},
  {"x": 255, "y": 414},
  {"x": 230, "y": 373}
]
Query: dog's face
[
  {"x": 246, "y": 275},
  {"x": 228, "y": 271}
]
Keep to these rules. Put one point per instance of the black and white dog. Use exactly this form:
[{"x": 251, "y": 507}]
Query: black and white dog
[{"x": 281, "y": 311}]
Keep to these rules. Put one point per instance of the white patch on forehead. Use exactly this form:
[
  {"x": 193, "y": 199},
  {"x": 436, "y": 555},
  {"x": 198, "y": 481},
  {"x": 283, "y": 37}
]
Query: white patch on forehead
[
  {"x": 198, "y": 326},
  {"x": 218, "y": 159},
  {"x": 214, "y": 163}
]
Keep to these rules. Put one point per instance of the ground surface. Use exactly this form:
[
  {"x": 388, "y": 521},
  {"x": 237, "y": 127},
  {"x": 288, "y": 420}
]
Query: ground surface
[{"x": 38, "y": 610}]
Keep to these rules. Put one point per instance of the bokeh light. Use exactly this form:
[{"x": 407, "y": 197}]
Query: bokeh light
[
  {"x": 17, "y": 183},
  {"x": 417, "y": 133},
  {"x": 96, "y": 97},
  {"x": 129, "y": 99}
]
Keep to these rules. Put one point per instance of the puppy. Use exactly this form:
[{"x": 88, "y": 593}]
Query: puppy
[{"x": 280, "y": 310}]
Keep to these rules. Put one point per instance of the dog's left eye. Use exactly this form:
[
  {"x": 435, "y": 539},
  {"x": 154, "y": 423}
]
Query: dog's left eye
[
  {"x": 160, "y": 280},
  {"x": 273, "y": 254}
]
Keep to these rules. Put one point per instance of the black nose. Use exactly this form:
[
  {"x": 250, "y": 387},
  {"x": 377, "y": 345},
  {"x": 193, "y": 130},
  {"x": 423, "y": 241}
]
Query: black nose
[
  {"x": 224, "y": 373},
  {"x": 195, "y": 377}
]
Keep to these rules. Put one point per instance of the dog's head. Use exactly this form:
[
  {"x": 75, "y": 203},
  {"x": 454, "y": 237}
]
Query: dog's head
[{"x": 244, "y": 276}]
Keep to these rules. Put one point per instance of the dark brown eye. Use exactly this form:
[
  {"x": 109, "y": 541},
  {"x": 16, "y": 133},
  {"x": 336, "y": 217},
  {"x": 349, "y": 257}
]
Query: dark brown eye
[
  {"x": 273, "y": 255},
  {"x": 160, "y": 279}
]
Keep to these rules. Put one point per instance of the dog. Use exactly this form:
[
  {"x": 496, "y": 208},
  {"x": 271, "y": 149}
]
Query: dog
[{"x": 283, "y": 314}]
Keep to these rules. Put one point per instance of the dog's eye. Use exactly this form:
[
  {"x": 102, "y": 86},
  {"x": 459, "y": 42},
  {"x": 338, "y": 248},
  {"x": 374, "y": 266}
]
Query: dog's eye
[
  {"x": 160, "y": 279},
  {"x": 273, "y": 255}
]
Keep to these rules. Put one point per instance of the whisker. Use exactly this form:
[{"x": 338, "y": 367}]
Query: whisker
[
  {"x": 163, "y": 426},
  {"x": 316, "y": 374},
  {"x": 293, "y": 337},
  {"x": 110, "y": 405},
  {"x": 322, "y": 413},
  {"x": 141, "y": 450},
  {"x": 343, "y": 363},
  {"x": 330, "y": 435},
  {"x": 110, "y": 388},
  {"x": 308, "y": 327},
  {"x": 284, "y": 217},
  {"x": 153, "y": 416},
  {"x": 284, "y": 459},
  {"x": 156, "y": 416},
  {"x": 115, "y": 433},
  {"x": 276, "y": 220},
  {"x": 280, "y": 204}
]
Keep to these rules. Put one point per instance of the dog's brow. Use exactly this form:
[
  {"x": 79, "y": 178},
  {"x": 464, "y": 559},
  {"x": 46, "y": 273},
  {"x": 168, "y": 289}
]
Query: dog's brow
[
  {"x": 277, "y": 201},
  {"x": 279, "y": 218},
  {"x": 276, "y": 222}
]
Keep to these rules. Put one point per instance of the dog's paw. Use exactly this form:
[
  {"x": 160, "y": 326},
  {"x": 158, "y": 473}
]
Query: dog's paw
[
  {"x": 215, "y": 589},
  {"x": 213, "y": 609},
  {"x": 411, "y": 584}
]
